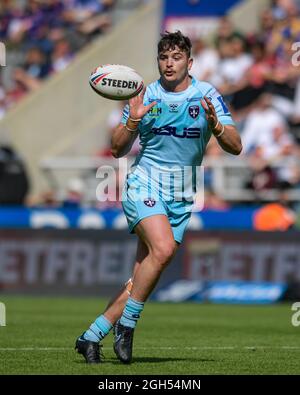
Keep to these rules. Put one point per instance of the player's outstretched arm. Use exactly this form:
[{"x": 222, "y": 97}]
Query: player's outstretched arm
[
  {"x": 122, "y": 140},
  {"x": 230, "y": 140},
  {"x": 226, "y": 135},
  {"x": 124, "y": 135}
]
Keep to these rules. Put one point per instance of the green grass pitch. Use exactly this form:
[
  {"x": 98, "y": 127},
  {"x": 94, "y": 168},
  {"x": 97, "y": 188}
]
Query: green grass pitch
[{"x": 176, "y": 339}]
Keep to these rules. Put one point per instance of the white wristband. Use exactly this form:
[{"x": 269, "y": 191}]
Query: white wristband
[
  {"x": 222, "y": 131},
  {"x": 131, "y": 130},
  {"x": 217, "y": 124},
  {"x": 135, "y": 120}
]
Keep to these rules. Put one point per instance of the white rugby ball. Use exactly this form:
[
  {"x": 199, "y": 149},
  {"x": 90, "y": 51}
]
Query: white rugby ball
[{"x": 116, "y": 82}]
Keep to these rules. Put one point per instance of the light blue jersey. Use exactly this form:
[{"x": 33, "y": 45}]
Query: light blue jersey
[
  {"x": 174, "y": 133},
  {"x": 173, "y": 138}
]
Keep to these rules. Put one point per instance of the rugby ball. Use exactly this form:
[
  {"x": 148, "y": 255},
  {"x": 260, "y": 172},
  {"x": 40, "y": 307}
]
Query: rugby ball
[{"x": 116, "y": 82}]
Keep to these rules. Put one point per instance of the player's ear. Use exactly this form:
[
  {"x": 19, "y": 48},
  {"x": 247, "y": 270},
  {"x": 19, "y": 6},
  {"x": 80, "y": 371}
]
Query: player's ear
[{"x": 190, "y": 63}]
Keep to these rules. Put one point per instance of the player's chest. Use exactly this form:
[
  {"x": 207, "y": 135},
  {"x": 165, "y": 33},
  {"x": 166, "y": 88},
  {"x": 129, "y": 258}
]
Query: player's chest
[{"x": 181, "y": 119}]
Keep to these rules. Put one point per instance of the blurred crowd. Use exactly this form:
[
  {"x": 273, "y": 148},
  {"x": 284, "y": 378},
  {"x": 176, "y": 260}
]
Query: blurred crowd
[
  {"x": 42, "y": 37},
  {"x": 258, "y": 75}
]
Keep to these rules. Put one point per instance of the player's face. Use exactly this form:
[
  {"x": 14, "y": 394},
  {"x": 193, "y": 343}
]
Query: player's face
[{"x": 174, "y": 65}]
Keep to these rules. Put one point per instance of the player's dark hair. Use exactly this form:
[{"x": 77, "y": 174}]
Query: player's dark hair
[{"x": 171, "y": 40}]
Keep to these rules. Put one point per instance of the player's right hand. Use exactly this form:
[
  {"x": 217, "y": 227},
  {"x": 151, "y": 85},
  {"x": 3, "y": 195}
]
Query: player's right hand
[{"x": 137, "y": 109}]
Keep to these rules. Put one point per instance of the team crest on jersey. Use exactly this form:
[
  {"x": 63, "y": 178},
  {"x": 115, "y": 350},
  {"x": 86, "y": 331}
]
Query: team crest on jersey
[
  {"x": 149, "y": 202},
  {"x": 194, "y": 111}
]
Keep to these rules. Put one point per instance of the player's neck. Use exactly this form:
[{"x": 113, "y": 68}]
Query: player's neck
[{"x": 176, "y": 86}]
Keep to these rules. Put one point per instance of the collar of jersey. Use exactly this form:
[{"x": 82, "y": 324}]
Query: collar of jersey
[{"x": 178, "y": 93}]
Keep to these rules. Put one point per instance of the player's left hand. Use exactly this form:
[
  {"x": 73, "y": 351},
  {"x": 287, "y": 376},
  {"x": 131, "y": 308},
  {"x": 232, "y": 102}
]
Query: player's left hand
[{"x": 210, "y": 112}]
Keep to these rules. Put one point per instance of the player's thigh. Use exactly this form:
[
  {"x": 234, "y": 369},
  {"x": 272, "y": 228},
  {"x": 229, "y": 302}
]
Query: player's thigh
[{"x": 156, "y": 233}]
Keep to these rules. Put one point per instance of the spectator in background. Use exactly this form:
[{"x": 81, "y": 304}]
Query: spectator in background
[
  {"x": 26, "y": 25},
  {"x": 274, "y": 139},
  {"x": 74, "y": 193},
  {"x": 267, "y": 142},
  {"x": 262, "y": 178},
  {"x": 14, "y": 181},
  {"x": 36, "y": 64},
  {"x": 212, "y": 201},
  {"x": 46, "y": 198},
  {"x": 34, "y": 70},
  {"x": 285, "y": 8},
  {"x": 16, "y": 92},
  {"x": 7, "y": 13},
  {"x": 276, "y": 216},
  {"x": 283, "y": 80},
  {"x": 295, "y": 117},
  {"x": 233, "y": 65},
  {"x": 273, "y": 217},
  {"x": 226, "y": 31},
  {"x": 272, "y": 145},
  {"x": 62, "y": 55},
  {"x": 89, "y": 16},
  {"x": 46, "y": 26},
  {"x": 206, "y": 61},
  {"x": 266, "y": 25},
  {"x": 253, "y": 81}
]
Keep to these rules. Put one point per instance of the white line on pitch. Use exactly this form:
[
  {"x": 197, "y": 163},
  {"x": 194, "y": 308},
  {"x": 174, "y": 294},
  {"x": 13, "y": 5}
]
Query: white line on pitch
[
  {"x": 158, "y": 348},
  {"x": 34, "y": 349}
]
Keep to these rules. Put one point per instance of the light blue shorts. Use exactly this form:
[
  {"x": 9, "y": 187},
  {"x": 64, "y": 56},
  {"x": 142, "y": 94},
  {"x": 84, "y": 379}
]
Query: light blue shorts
[{"x": 139, "y": 202}]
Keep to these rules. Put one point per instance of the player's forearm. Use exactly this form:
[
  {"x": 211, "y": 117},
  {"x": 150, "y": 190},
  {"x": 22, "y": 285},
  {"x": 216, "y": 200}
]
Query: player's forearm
[
  {"x": 229, "y": 140},
  {"x": 122, "y": 140}
]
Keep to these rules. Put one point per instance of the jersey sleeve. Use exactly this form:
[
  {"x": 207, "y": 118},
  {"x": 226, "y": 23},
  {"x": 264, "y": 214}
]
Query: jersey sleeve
[
  {"x": 221, "y": 108},
  {"x": 125, "y": 114}
]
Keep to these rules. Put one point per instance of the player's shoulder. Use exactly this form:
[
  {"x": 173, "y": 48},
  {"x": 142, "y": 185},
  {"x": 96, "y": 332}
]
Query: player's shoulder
[
  {"x": 152, "y": 88},
  {"x": 204, "y": 87}
]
